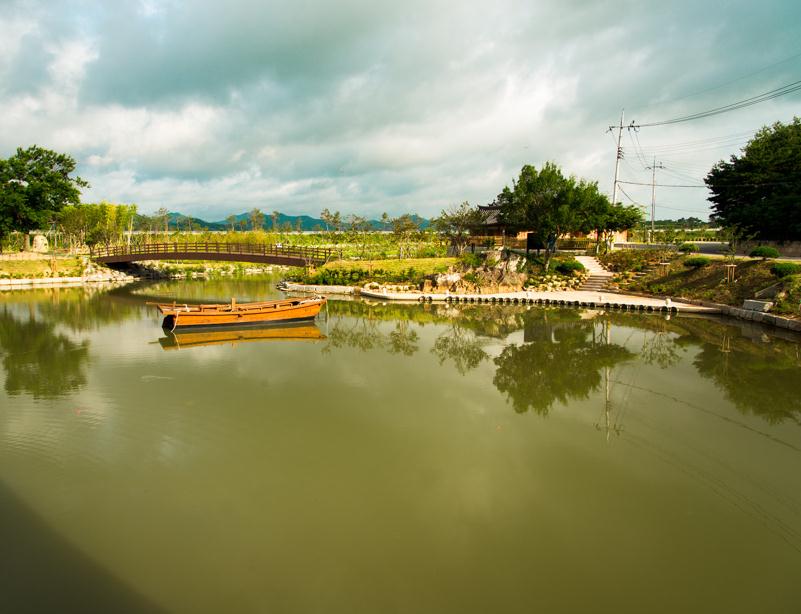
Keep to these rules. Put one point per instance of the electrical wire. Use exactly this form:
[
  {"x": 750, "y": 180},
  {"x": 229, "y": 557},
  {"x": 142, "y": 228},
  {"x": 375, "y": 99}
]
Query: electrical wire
[{"x": 740, "y": 104}]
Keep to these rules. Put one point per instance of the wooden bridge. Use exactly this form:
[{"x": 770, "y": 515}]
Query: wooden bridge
[{"x": 234, "y": 252}]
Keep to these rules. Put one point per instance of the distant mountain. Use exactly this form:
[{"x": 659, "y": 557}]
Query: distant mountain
[
  {"x": 242, "y": 220},
  {"x": 306, "y": 222}
]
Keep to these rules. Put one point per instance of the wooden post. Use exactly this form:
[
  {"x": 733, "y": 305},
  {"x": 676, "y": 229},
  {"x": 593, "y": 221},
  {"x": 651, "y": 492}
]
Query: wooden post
[{"x": 730, "y": 270}]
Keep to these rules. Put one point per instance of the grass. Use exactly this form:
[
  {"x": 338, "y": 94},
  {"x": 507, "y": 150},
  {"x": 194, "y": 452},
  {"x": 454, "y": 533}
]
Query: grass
[
  {"x": 425, "y": 266},
  {"x": 69, "y": 266}
]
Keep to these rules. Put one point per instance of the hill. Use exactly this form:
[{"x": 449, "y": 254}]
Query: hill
[{"x": 242, "y": 221}]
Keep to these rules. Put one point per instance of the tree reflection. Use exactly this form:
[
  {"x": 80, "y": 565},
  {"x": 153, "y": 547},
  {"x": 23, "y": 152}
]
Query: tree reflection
[
  {"x": 759, "y": 380},
  {"x": 365, "y": 334},
  {"x": 560, "y": 360},
  {"x": 38, "y": 360},
  {"x": 460, "y": 346}
]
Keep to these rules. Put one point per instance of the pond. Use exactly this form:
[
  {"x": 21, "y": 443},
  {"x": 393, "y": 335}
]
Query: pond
[{"x": 405, "y": 458}]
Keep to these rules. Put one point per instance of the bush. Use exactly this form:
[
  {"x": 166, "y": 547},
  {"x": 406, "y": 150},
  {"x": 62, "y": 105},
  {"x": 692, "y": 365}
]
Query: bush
[
  {"x": 470, "y": 260},
  {"x": 688, "y": 248},
  {"x": 783, "y": 269},
  {"x": 764, "y": 251},
  {"x": 697, "y": 262},
  {"x": 568, "y": 267}
]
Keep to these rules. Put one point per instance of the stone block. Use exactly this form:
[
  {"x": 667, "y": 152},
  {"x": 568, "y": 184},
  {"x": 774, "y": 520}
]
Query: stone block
[{"x": 754, "y": 305}]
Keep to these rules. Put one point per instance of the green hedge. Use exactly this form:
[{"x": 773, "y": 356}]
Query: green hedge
[
  {"x": 783, "y": 269},
  {"x": 764, "y": 251},
  {"x": 568, "y": 267},
  {"x": 697, "y": 262}
]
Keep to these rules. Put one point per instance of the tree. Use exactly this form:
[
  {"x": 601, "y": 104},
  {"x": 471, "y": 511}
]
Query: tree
[
  {"x": 544, "y": 202},
  {"x": 276, "y": 218},
  {"x": 404, "y": 227},
  {"x": 231, "y": 219},
  {"x": 163, "y": 217},
  {"x": 35, "y": 184},
  {"x": 256, "y": 219},
  {"x": 759, "y": 192},
  {"x": 457, "y": 223}
]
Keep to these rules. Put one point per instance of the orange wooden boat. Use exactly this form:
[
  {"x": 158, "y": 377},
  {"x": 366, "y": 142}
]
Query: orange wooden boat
[{"x": 239, "y": 314}]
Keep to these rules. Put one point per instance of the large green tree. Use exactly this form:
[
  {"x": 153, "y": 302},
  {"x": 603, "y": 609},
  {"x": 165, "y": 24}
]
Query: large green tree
[
  {"x": 759, "y": 191},
  {"x": 550, "y": 204},
  {"x": 35, "y": 184}
]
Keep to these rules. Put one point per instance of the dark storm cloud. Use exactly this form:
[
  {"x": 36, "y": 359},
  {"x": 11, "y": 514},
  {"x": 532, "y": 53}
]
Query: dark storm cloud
[{"x": 367, "y": 106}]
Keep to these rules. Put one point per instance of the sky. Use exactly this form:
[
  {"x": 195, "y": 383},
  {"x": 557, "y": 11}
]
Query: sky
[{"x": 209, "y": 108}]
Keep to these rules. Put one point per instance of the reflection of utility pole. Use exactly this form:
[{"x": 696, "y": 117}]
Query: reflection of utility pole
[
  {"x": 653, "y": 168},
  {"x": 608, "y": 426}
]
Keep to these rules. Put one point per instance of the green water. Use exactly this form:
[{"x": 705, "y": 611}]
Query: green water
[{"x": 411, "y": 458}]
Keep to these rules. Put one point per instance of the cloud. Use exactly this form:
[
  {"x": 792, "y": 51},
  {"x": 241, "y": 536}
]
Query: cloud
[{"x": 381, "y": 106}]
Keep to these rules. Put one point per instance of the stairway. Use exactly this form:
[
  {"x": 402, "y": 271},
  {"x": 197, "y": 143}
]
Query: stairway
[{"x": 599, "y": 277}]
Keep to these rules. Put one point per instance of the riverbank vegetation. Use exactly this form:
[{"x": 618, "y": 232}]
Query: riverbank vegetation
[{"x": 727, "y": 281}]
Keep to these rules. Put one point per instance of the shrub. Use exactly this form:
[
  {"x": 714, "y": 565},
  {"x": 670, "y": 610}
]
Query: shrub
[
  {"x": 697, "y": 262},
  {"x": 470, "y": 260},
  {"x": 688, "y": 248},
  {"x": 783, "y": 269},
  {"x": 764, "y": 251},
  {"x": 568, "y": 267}
]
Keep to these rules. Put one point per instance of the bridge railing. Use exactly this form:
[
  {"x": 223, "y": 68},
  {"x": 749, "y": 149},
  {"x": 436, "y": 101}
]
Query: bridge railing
[{"x": 313, "y": 254}]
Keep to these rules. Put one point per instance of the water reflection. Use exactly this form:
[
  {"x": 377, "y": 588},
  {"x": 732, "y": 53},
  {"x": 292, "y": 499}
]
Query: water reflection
[
  {"x": 762, "y": 381},
  {"x": 565, "y": 351},
  {"x": 464, "y": 348},
  {"x": 38, "y": 360},
  {"x": 561, "y": 359},
  {"x": 232, "y": 336},
  {"x": 365, "y": 334}
]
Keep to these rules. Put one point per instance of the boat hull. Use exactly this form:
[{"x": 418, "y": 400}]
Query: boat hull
[{"x": 245, "y": 314}]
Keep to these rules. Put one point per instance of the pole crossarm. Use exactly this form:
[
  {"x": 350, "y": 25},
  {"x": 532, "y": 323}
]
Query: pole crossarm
[{"x": 288, "y": 255}]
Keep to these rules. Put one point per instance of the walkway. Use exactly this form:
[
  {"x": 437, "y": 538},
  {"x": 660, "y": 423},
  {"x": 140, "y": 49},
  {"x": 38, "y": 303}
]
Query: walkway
[
  {"x": 231, "y": 252},
  {"x": 599, "y": 277}
]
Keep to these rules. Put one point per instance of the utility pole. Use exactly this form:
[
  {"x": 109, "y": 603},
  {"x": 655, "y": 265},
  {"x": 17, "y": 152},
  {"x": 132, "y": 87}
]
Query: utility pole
[
  {"x": 618, "y": 155},
  {"x": 653, "y": 168}
]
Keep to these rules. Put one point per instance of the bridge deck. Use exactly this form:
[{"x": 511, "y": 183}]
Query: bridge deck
[{"x": 232, "y": 252}]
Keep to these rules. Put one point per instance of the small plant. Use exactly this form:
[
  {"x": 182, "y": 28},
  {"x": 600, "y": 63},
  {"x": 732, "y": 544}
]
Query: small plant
[
  {"x": 783, "y": 269},
  {"x": 568, "y": 267},
  {"x": 688, "y": 248},
  {"x": 764, "y": 252},
  {"x": 697, "y": 262}
]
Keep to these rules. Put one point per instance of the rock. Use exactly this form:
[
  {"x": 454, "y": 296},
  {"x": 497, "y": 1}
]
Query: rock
[
  {"x": 754, "y": 305},
  {"x": 40, "y": 244}
]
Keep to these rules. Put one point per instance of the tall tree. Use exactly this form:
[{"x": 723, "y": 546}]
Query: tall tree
[
  {"x": 404, "y": 227},
  {"x": 256, "y": 219},
  {"x": 759, "y": 192},
  {"x": 35, "y": 184},
  {"x": 456, "y": 224},
  {"x": 163, "y": 217},
  {"x": 231, "y": 220},
  {"x": 544, "y": 202}
]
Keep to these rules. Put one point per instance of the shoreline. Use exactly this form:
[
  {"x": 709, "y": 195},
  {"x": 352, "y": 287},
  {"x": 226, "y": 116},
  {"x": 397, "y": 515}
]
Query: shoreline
[{"x": 574, "y": 298}]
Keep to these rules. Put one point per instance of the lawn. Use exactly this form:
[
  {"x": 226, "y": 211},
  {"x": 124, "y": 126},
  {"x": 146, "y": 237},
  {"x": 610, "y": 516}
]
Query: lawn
[
  {"x": 69, "y": 266},
  {"x": 425, "y": 266}
]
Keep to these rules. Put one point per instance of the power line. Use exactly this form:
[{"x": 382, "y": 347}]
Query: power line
[
  {"x": 740, "y": 104},
  {"x": 725, "y": 83},
  {"x": 662, "y": 185}
]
